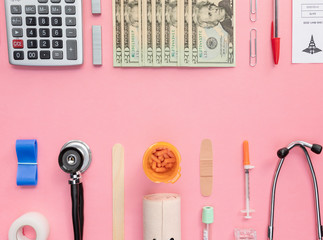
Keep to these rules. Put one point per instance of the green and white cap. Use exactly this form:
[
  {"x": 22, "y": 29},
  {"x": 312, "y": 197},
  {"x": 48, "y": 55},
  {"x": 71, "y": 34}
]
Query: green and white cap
[{"x": 207, "y": 215}]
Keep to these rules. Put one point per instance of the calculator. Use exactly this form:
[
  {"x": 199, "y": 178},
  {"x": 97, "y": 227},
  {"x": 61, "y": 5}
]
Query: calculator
[{"x": 44, "y": 32}]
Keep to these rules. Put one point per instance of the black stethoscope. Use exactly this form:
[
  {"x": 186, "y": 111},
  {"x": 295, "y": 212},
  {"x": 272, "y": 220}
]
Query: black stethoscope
[
  {"x": 74, "y": 158},
  {"x": 282, "y": 153}
]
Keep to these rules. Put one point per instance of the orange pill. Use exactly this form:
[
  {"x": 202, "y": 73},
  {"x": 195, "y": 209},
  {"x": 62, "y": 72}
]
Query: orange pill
[
  {"x": 161, "y": 153},
  {"x": 161, "y": 158},
  {"x": 150, "y": 161},
  {"x": 166, "y": 156},
  {"x": 160, "y": 170},
  {"x": 155, "y": 159},
  {"x": 171, "y": 154},
  {"x": 160, "y": 148},
  {"x": 170, "y": 160},
  {"x": 154, "y": 165},
  {"x": 169, "y": 165}
]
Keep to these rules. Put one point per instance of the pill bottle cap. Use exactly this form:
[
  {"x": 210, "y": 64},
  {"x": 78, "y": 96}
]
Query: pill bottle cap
[{"x": 207, "y": 215}]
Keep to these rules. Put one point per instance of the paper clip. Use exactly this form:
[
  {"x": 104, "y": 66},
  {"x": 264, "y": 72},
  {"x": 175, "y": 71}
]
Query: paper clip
[
  {"x": 253, "y": 11},
  {"x": 253, "y": 48}
]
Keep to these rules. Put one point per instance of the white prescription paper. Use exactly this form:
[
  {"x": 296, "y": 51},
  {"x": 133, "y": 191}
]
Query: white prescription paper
[{"x": 307, "y": 31}]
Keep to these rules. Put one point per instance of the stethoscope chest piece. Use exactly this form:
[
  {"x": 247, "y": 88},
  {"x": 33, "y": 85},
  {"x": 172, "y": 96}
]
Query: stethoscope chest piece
[{"x": 75, "y": 156}]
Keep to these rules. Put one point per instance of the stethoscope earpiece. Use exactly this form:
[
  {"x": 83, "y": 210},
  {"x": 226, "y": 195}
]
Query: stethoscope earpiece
[
  {"x": 282, "y": 153},
  {"x": 316, "y": 148}
]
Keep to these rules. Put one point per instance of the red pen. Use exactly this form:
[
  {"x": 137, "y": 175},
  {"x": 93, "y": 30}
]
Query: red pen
[{"x": 275, "y": 40}]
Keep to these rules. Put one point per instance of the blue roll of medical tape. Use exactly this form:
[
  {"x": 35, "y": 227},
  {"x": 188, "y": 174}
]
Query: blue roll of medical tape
[{"x": 27, "y": 172}]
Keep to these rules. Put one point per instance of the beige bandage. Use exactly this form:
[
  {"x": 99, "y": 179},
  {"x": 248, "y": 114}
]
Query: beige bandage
[{"x": 206, "y": 168}]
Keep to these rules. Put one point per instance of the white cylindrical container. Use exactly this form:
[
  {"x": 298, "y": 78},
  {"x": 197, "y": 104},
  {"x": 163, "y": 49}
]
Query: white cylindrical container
[{"x": 162, "y": 216}]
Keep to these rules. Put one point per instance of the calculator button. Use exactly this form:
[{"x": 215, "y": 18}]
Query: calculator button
[
  {"x": 18, "y": 55},
  {"x": 70, "y": 1},
  {"x": 43, "y": 21},
  {"x": 70, "y": 21},
  {"x": 32, "y": 55},
  {"x": 31, "y": 32},
  {"x": 30, "y": 9},
  {"x": 16, "y": 21},
  {"x": 57, "y": 54},
  {"x": 56, "y": 21},
  {"x": 57, "y": 32},
  {"x": 31, "y": 21},
  {"x": 57, "y": 43},
  {"x": 43, "y": 9},
  {"x": 55, "y": 1},
  {"x": 44, "y": 32},
  {"x": 71, "y": 49},
  {"x": 17, "y": 43},
  {"x": 17, "y": 32},
  {"x": 71, "y": 32},
  {"x": 44, "y": 43},
  {"x": 56, "y": 9},
  {"x": 15, "y": 9},
  {"x": 44, "y": 54},
  {"x": 31, "y": 43},
  {"x": 42, "y": 1},
  {"x": 70, "y": 10}
]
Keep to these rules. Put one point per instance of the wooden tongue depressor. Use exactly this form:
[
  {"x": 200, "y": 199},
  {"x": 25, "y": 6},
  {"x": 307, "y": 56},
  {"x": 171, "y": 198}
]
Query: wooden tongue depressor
[
  {"x": 118, "y": 191},
  {"x": 206, "y": 168}
]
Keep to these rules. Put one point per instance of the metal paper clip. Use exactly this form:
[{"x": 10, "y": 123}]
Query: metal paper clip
[
  {"x": 253, "y": 48},
  {"x": 253, "y": 11}
]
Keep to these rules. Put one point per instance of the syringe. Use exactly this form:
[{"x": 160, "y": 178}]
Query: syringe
[{"x": 207, "y": 218}]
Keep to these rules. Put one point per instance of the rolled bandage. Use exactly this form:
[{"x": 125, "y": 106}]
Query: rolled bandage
[
  {"x": 33, "y": 219},
  {"x": 162, "y": 216}
]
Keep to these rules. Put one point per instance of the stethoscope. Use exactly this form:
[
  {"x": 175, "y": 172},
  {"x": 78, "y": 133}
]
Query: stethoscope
[
  {"x": 74, "y": 158},
  {"x": 282, "y": 153}
]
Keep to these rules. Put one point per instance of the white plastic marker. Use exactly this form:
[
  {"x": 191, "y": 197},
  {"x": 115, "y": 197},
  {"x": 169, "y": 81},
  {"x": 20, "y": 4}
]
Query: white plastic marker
[
  {"x": 33, "y": 219},
  {"x": 118, "y": 191},
  {"x": 206, "y": 168},
  {"x": 247, "y": 167}
]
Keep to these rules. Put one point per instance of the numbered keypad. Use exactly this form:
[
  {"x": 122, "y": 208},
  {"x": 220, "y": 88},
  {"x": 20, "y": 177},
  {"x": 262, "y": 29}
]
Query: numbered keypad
[{"x": 44, "y": 30}]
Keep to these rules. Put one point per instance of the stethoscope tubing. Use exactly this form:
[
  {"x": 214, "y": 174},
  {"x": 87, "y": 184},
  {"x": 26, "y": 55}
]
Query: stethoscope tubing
[{"x": 317, "y": 203}]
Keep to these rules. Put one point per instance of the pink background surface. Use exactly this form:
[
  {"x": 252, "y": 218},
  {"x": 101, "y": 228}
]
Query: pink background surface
[{"x": 268, "y": 105}]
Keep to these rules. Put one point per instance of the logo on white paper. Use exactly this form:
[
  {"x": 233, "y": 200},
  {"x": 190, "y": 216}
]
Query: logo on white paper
[{"x": 312, "y": 47}]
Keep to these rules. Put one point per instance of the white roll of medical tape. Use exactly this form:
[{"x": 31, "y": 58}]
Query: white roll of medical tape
[{"x": 33, "y": 219}]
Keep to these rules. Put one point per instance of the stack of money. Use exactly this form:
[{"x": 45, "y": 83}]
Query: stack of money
[{"x": 163, "y": 33}]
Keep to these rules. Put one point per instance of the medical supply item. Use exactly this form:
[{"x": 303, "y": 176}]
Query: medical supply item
[
  {"x": 118, "y": 191},
  {"x": 44, "y": 33},
  {"x": 207, "y": 219},
  {"x": 307, "y": 34},
  {"x": 96, "y": 6},
  {"x": 96, "y": 45},
  {"x": 253, "y": 10},
  {"x": 245, "y": 234},
  {"x": 206, "y": 168},
  {"x": 75, "y": 157},
  {"x": 161, "y": 163},
  {"x": 282, "y": 153},
  {"x": 253, "y": 48},
  {"x": 275, "y": 40},
  {"x": 247, "y": 167},
  {"x": 162, "y": 216},
  {"x": 27, "y": 171},
  {"x": 33, "y": 219}
]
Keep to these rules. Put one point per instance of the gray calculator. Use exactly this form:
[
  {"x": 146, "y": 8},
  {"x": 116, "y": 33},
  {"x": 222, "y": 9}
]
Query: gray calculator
[{"x": 44, "y": 32}]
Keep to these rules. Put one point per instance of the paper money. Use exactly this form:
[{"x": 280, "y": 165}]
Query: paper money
[
  {"x": 131, "y": 25},
  {"x": 189, "y": 33},
  {"x": 212, "y": 34},
  {"x": 157, "y": 32},
  {"x": 147, "y": 33},
  {"x": 170, "y": 33},
  {"x": 117, "y": 35}
]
